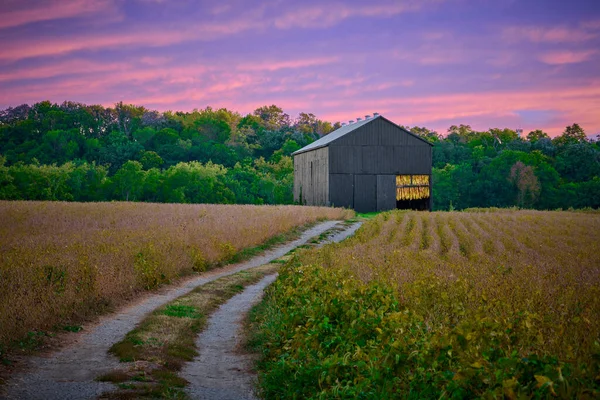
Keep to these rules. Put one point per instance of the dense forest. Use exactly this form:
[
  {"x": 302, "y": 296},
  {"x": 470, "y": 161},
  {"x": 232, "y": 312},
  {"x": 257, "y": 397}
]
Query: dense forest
[{"x": 78, "y": 152}]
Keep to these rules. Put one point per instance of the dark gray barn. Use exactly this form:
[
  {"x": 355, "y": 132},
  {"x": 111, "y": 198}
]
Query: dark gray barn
[{"x": 369, "y": 165}]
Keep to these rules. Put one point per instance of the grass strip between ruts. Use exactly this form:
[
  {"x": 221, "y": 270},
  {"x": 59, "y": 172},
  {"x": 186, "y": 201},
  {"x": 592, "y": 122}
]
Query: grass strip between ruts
[{"x": 159, "y": 346}]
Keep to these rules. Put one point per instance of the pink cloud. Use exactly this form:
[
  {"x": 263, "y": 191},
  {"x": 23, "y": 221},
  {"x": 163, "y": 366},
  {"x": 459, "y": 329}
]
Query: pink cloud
[
  {"x": 290, "y": 64},
  {"x": 435, "y": 35},
  {"x": 481, "y": 110},
  {"x": 153, "y": 61},
  {"x": 71, "y": 67},
  {"x": 49, "y": 10},
  {"x": 58, "y": 46},
  {"x": 502, "y": 59},
  {"x": 99, "y": 81},
  {"x": 574, "y": 104},
  {"x": 196, "y": 86},
  {"x": 159, "y": 36},
  {"x": 561, "y": 34},
  {"x": 436, "y": 54},
  {"x": 154, "y": 83},
  {"x": 150, "y": 36},
  {"x": 593, "y": 24},
  {"x": 566, "y": 56},
  {"x": 221, "y": 9},
  {"x": 329, "y": 14}
]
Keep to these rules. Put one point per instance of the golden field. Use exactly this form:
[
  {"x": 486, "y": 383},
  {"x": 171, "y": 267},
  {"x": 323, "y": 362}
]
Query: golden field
[{"x": 60, "y": 262}]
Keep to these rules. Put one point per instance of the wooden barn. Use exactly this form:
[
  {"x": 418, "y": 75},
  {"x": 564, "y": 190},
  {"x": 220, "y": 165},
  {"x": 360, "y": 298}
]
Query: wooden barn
[{"x": 368, "y": 165}]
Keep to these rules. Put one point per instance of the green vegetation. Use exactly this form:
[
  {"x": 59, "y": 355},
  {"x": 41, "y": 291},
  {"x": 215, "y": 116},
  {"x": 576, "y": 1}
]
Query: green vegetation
[
  {"x": 77, "y": 152},
  {"x": 166, "y": 338},
  {"x": 367, "y": 215},
  {"x": 490, "y": 305},
  {"x": 181, "y": 311}
]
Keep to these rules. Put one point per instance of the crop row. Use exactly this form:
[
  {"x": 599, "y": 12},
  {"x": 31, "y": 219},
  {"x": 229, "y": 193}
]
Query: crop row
[{"x": 464, "y": 304}]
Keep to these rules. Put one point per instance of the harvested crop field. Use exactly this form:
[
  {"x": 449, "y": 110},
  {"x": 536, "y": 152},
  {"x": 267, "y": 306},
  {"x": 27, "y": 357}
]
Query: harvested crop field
[
  {"x": 60, "y": 262},
  {"x": 469, "y": 304}
]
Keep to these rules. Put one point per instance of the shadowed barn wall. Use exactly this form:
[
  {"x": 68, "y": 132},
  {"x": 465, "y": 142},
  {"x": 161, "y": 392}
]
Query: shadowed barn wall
[{"x": 311, "y": 177}]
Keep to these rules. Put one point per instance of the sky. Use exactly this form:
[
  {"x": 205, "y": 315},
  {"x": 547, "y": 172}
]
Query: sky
[{"x": 529, "y": 64}]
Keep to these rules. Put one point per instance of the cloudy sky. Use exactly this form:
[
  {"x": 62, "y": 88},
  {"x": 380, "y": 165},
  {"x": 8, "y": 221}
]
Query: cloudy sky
[{"x": 488, "y": 63}]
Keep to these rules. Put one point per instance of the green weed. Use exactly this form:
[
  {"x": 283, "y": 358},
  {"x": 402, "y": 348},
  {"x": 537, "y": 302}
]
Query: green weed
[{"x": 181, "y": 311}]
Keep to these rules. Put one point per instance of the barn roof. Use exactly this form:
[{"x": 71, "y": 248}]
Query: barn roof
[{"x": 344, "y": 130}]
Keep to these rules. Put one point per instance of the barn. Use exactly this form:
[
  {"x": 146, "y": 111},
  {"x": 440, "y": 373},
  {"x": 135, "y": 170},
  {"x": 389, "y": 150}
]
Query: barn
[{"x": 368, "y": 165}]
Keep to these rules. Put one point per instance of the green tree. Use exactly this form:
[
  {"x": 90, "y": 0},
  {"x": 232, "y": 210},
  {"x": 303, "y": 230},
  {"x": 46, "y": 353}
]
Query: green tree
[
  {"x": 87, "y": 182},
  {"x": 153, "y": 183},
  {"x": 445, "y": 192},
  {"x": 8, "y": 191},
  {"x": 527, "y": 184},
  {"x": 272, "y": 117},
  {"x": 536, "y": 135},
  {"x": 425, "y": 133},
  {"x": 151, "y": 159},
  {"x": 118, "y": 150},
  {"x": 194, "y": 182},
  {"x": 144, "y": 135},
  {"x": 128, "y": 181},
  {"x": 572, "y": 134},
  {"x": 578, "y": 161}
]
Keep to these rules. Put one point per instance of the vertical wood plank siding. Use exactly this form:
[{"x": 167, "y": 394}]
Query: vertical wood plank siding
[
  {"x": 379, "y": 148},
  {"x": 365, "y": 193},
  {"x": 311, "y": 177},
  {"x": 341, "y": 190},
  {"x": 386, "y": 192}
]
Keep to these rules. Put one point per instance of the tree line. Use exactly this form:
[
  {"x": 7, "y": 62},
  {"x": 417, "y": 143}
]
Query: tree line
[
  {"x": 78, "y": 152},
  {"x": 498, "y": 168}
]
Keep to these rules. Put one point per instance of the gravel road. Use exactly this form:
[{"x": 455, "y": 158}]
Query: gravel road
[
  {"x": 341, "y": 235},
  {"x": 70, "y": 372},
  {"x": 221, "y": 372}
]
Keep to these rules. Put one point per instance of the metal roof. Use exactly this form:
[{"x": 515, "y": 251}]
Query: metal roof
[{"x": 344, "y": 130}]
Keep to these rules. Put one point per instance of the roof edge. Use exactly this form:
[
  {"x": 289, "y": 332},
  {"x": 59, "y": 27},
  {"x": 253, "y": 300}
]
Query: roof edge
[
  {"x": 407, "y": 131},
  {"x": 304, "y": 150},
  {"x": 300, "y": 151}
]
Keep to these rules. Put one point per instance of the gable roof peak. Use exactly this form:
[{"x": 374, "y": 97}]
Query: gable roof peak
[{"x": 345, "y": 129}]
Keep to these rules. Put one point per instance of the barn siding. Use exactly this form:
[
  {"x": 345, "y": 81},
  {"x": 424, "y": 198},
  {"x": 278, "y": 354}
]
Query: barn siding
[
  {"x": 379, "y": 147},
  {"x": 311, "y": 177},
  {"x": 341, "y": 189},
  {"x": 386, "y": 192},
  {"x": 365, "y": 193},
  {"x": 379, "y": 160},
  {"x": 379, "y": 133}
]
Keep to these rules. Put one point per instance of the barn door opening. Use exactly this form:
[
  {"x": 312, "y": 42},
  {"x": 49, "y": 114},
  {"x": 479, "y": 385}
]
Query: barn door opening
[{"x": 413, "y": 192}]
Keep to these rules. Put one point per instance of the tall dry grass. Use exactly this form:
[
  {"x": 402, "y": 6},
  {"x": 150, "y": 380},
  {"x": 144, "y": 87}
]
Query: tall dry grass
[{"x": 62, "y": 262}]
